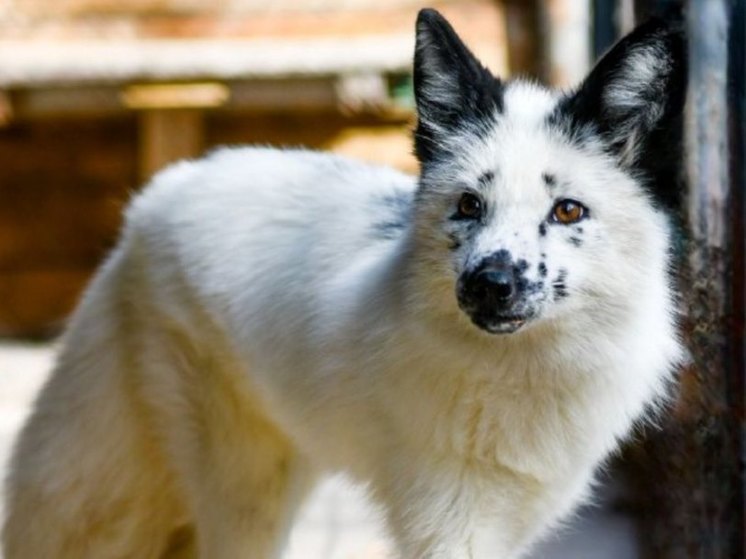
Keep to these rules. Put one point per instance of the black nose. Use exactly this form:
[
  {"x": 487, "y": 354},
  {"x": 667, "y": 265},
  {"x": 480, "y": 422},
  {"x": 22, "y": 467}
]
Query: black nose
[
  {"x": 498, "y": 283},
  {"x": 494, "y": 284}
]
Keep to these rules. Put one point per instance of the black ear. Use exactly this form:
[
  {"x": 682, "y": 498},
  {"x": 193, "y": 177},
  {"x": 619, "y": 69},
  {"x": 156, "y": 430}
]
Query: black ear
[
  {"x": 452, "y": 89},
  {"x": 635, "y": 94}
]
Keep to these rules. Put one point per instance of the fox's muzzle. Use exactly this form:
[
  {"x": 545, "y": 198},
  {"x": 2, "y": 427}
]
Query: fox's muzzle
[{"x": 489, "y": 293}]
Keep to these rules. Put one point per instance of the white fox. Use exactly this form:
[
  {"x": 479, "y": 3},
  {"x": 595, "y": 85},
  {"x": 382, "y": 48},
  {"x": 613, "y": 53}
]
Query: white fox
[{"x": 471, "y": 343}]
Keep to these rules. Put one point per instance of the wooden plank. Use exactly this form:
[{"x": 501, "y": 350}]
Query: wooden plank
[
  {"x": 298, "y": 19},
  {"x": 523, "y": 36},
  {"x": 66, "y": 230},
  {"x": 289, "y": 95},
  {"x": 154, "y": 96},
  {"x": 282, "y": 94},
  {"x": 6, "y": 109},
  {"x": 70, "y": 102},
  {"x": 167, "y": 136},
  {"x": 62, "y": 186},
  {"x": 36, "y": 303}
]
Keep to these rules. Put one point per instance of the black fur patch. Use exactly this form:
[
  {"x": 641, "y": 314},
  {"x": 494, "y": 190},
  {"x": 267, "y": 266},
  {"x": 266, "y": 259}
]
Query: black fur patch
[
  {"x": 486, "y": 178},
  {"x": 451, "y": 87},
  {"x": 549, "y": 179},
  {"x": 529, "y": 287},
  {"x": 559, "y": 286},
  {"x": 542, "y": 269},
  {"x": 522, "y": 285},
  {"x": 469, "y": 221},
  {"x": 576, "y": 241},
  {"x": 542, "y": 229}
]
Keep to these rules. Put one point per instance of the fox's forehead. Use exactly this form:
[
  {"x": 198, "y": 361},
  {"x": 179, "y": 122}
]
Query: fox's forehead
[
  {"x": 523, "y": 139},
  {"x": 527, "y": 104},
  {"x": 521, "y": 152}
]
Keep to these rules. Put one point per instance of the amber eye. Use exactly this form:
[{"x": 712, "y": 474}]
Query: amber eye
[
  {"x": 469, "y": 206},
  {"x": 568, "y": 211}
]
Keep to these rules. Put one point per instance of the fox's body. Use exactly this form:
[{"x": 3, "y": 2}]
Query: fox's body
[{"x": 269, "y": 316}]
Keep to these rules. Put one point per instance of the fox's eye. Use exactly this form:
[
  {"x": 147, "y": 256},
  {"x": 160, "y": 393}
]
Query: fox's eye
[
  {"x": 469, "y": 206},
  {"x": 568, "y": 211}
]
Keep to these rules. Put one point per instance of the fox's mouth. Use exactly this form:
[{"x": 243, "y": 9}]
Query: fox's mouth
[{"x": 496, "y": 324}]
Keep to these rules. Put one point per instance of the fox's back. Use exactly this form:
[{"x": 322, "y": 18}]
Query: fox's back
[{"x": 267, "y": 232}]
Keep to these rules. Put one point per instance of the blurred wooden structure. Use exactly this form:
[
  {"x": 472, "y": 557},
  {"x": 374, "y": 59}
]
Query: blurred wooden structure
[
  {"x": 566, "y": 27},
  {"x": 96, "y": 95}
]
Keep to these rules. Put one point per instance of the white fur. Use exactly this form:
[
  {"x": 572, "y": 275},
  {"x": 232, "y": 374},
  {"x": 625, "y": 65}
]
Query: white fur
[{"x": 251, "y": 332}]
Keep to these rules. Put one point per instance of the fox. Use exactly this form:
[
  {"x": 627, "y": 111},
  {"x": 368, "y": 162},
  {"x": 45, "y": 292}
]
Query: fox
[{"x": 470, "y": 344}]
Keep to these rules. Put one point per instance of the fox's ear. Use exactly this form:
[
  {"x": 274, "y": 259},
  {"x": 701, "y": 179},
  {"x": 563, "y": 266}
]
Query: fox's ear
[
  {"x": 451, "y": 86},
  {"x": 636, "y": 91}
]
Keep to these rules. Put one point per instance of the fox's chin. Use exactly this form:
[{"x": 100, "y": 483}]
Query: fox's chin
[{"x": 499, "y": 324}]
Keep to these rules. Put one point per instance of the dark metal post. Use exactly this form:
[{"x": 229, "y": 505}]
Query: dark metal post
[
  {"x": 604, "y": 26},
  {"x": 694, "y": 479}
]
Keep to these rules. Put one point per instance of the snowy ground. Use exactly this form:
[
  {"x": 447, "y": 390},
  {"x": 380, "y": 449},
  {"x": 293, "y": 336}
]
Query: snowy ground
[{"x": 337, "y": 522}]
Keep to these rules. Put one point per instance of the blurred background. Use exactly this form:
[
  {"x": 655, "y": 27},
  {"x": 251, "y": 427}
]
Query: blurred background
[{"x": 97, "y": 95}]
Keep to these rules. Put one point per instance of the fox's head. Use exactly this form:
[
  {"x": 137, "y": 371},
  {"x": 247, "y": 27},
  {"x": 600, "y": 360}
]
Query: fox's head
[{"x": 535, "y": 203}]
